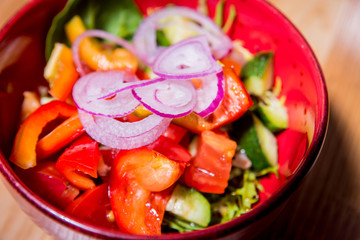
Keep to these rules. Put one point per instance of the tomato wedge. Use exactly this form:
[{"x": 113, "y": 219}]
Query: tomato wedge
[
  {"x": 234, "y": 104},
  {"x": 171, "y": 149},
  {"x": 140, "y": 183},
  {"x": 209, "y": 171},
  {"x": 175, "y": 132}
]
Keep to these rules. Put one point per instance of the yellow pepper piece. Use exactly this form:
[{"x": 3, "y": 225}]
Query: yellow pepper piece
[{"x": 60, "y": 72}]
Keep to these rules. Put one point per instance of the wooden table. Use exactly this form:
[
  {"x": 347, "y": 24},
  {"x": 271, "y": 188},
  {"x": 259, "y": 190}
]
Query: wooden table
[{"x": 327, "y": 205}]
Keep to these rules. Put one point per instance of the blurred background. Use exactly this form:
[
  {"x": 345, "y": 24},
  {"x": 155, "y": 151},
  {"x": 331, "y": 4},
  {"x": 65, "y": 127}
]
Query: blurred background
[{"x": 327, "y": 204}]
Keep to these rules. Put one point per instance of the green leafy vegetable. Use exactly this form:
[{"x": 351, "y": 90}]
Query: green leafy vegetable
[
  {"x": 119, "y": 17},
  {"x": 239, "y": 200}
]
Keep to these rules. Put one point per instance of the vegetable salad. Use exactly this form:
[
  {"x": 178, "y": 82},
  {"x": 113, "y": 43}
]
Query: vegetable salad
[{"x": 151, "y": 123}]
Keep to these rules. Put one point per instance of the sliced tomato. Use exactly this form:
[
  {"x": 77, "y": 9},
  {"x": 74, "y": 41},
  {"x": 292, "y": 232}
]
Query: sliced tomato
[
  {"x": 139, "y": 189},
  {"x": 175, "y": 132},
  {"x": 171, "y": 149},
  {"x": 209, "y": 170},
  {"x": 152, "y": 170},
  {"x": 234, "y": 104},
  {"x": 47, "y": 182},
  {"x": 94, "y": 206},
  {"x": 106, "y": 159},
  {"x": 80, "y": 161}
]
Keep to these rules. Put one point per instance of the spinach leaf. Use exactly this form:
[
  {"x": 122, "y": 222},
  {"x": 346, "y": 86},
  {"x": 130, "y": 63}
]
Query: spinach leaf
[{"x": 119, "y": 17}]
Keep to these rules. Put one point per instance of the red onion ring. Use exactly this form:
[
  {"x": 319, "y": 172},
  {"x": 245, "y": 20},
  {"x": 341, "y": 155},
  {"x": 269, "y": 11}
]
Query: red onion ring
[
  {"x": 100, "y": 34},
  {"x": 144, "y": 39},
  {"x": 170, "y": 98},
  {"x": 190, "y": 58},
  {"x": 123, "y": 135},
  {"x": 210, "y": 94},
  {"x": 88, "y": 88}
]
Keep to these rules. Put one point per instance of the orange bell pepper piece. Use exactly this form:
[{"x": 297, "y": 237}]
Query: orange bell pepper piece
[
  {"x": 60, "y": 72},
  {"x": 24, "y": 149},
  {"x": 95, "y": 55}
]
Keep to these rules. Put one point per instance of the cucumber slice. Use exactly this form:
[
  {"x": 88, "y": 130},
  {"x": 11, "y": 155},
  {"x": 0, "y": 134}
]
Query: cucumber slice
[
  {"x": 272, "y": 112},
  {"x": 190, "y": 205},
  {"x": 259, "y": 144},
  {"x": 258, "y": 73}
]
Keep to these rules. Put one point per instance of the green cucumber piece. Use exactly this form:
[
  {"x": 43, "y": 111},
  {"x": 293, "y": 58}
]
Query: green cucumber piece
[
  {"x": 259, "y": 144},
  {"x": 272, "y": 112},
  {"x": 190, "y": 205},
  {"x": 258, "y": 73}
]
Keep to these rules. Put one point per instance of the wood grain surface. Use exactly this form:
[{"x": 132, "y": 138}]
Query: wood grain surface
[{"x": 327, "y": 204}]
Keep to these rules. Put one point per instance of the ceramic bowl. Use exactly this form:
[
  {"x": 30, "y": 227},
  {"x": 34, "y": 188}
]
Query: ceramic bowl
[{"x": 260, "y": 26}]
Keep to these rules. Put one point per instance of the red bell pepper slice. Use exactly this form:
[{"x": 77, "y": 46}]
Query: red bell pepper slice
[
  {"x": 235, "y": 103},
  {"x": 80, "y": 161},
  {"x": 24, "y": 148},
  {"x": 47, "y": 182},
  {"x": 61, "y": 136},
  {"x": 209, "y": 170},
  {"x": 94, "y": 206}
]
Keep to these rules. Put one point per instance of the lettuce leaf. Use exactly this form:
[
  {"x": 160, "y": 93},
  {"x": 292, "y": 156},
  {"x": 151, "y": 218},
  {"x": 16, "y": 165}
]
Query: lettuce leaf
[
  {"x": 119, "y": 17},
  {"x": 239, "y": 200}
]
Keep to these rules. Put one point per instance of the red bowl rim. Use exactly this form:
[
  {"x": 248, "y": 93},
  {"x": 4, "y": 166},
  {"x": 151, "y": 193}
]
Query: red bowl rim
[{"x": 246, "y": 219}]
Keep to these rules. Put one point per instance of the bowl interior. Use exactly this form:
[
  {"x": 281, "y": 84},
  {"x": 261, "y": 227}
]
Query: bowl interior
[{"x": 258, "y": 25}]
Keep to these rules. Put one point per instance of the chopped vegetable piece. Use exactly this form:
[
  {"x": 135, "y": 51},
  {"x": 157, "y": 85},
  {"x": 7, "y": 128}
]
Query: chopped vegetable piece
[
  {"x": 24, "y": 149},
  {"x": 30, "y": 104},
  {"x": 176, "y": 29},
  {"x": 135, "y": 175},
  {"x": 189, "y": 58},
  {"x": 175, "y": 133},
  {"x": 47, "y": 182},
  {"x": 120, "y": 18},
  {"x": 96, "y": 55},
  {"x": 209, "y": 171},
  {"x": 257, "y": 74},
  {"x": 171, "y": 149},
  {"x": 78, "y": 161},
  {"x": 258, "y": 143},
  {"x": 235, "y": 103},
  {"x": 94, "y": 206},
  {"x": 272, "y": 112},
  {"x": 59, "y": 137},
  {"x": 60, "y": 72},
  {"x": 152, "y": 170},
  {"x": 190, "y": 205}
]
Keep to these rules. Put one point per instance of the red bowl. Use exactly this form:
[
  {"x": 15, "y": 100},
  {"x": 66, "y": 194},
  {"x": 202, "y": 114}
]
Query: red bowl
[{"x": 260, "y": 26}]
